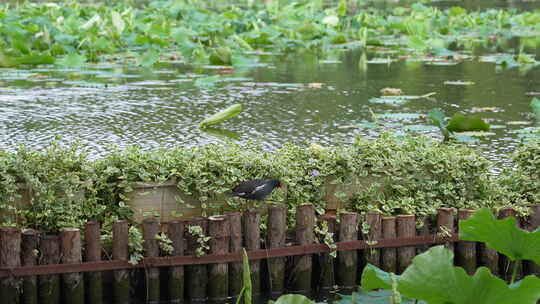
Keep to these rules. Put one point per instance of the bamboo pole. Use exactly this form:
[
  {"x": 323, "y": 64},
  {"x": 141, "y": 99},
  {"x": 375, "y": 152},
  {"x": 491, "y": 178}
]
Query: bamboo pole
[
  {"x": 218, "y": 274},
  {"x": 29, "y": 254},
  {"x": 49, "y": 285},
  {"x": 374, "y": 221},
  {"x": 175, "y": 233},
  {"x": 445, "y": 224},
  {"x": 506, "y": 266},
  {"x": 277, "y": 229},
  {"x": 252, "y": 222},
  {"x": 534, "y": 223},
  {"x": 347, "y": 260},
  {"x": 327, "y": 275},
  {"x": 94, "y": 282},
  {"x": 151, "y": 249},
  {"x": 305, "y": 224},
  {"x": 196, "y": 275},
  {"x": 10, "y": 256},
  {"x": 121, "y": 252},
  {"x": 235, "y": 245},
  {"x": 466, "y": 250},
  {"x": 389, "y": 255},
  {"x": 406, "y": 228}
]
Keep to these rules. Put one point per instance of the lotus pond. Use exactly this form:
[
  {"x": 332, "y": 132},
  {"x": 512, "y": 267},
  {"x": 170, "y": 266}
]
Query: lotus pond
[{"x": 305, "y": 72}]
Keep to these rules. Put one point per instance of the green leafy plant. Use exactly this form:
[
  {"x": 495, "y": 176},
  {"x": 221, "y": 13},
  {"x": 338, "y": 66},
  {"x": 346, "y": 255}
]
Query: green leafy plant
[
  {"x": 502, "y": 235},
  {"x": 165, "y": 243},
  {"x": 246, "y": 291},
  {"x": 217, "y": 118},
  {"x": 202, "y": 240},
  {"x": 457, "y": 123},
  {"x": 326, "y": 237},
  {"x": 135, "y": 245},
  {"x": 433, "y": 278}
]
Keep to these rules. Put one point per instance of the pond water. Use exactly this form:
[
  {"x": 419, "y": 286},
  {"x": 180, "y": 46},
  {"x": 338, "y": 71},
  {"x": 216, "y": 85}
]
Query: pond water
[{"x": 297, "y": 98}]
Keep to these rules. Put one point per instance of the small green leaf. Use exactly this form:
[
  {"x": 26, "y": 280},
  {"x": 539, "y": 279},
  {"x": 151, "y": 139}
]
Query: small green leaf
[
  {"x": 293, "y": 299},
  {"x": 72, "y": 60},
  {"x": 148, "y": 58},
  {"x": 207, "y": 82},
  {"x": 462, "y": 123},
  {"x": 118, "y": 22},
  {"x": 217, "y": 118},
  {"x": 375, "y": 278}
]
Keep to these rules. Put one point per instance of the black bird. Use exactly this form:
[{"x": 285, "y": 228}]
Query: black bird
[{"x": 256, "y": 189}]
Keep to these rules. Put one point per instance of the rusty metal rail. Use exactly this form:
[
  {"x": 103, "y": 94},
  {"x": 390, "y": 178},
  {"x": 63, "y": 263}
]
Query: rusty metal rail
[{"x": 222, "y": 258}]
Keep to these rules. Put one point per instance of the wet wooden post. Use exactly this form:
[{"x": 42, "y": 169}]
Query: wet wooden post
[
  {"x": 405, "y": 228},
  {"x": 49, "y": 285},
  {"x": 374, "y": 221},
  {"x": 120, "y": 249},
  {"x": 235, "y": 245},
  {"x": 277, "y": 229},
  {"x": 327, "y": 277},
  {"x": 347, "y": 260},
  {"x": 29, "y": 254},
  {"x": 305, "y": 225},
  {"x": 534, "y": 223},
  {"x": 445, "y": 225},
  {"x": 466, "y": 250},
  {"x": 94, "y": 283},
  {"x": 71, "y": 252},
  {"x": 218, "y": 275},
  {"x": 425, "y": 230},
  {"x": 252, "y": 230},
  {"x": 10, "y": 256},
  {"x": 175, "y": 233},
  {"x": 505, "y": 264},
  {"x": 151, "y": 249},
  {"x": 389, "y": 255},
  {"x": 197, "y": 274}
]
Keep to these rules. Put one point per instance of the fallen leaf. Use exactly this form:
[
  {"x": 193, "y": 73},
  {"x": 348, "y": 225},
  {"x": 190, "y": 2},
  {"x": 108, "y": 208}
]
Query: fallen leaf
[{"x": 391, "y": 91}]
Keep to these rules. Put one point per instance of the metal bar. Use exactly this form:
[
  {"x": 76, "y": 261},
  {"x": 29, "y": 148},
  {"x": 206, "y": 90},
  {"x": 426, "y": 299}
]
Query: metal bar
[{"x": 220, "y": 258}]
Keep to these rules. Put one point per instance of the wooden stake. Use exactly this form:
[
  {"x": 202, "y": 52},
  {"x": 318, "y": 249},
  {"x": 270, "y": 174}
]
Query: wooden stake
[
  {"x": 235, "y": 245},
  {"x": 389, "y": 255},
  {"x": 277, "y": 229},
  {"x": 29, "y": 254},
  {"x": 406, "y": 228},
  {"x": 507, "y": 266},
  {"x": 94, "y": 283},
  {"x": 218, "y": 275},
  {"x": 425, "y": 230},
  {"x": 175, "y": 233},
  {"x": 10, "y": 256},
  {"x": 151, "y": 249},
  {"x": 121, "y": 252},
  {"x": 252, "y": 222},
  {"x": 374, "y": 221},
  {"x": 196, "y": 275},
  {"x": 347, "y": 260},
  {"x": 445, "y": 225},
  {"x": 466, "y": 250},
  {"x": 70, "y": 248},
  {"x": 49, "y": 285},
  {"x": 327, "y": 275},
  {"x": 305, "y": 224},
  {"x": 534, "y": 223}
]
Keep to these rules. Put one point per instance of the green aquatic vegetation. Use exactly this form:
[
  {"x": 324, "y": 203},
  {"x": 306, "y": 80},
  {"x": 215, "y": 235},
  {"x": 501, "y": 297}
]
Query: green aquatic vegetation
[
  {"x": 221, "y": 116},
  {"x": 433, "y": 278},
  {"x": 465, "y": 125},
  {"x": 70, "y": 33}
]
